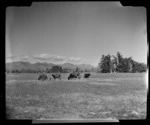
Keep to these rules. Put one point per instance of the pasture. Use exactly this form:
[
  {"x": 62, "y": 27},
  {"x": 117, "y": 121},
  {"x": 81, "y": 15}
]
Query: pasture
[{"x": 114, "y": 95}]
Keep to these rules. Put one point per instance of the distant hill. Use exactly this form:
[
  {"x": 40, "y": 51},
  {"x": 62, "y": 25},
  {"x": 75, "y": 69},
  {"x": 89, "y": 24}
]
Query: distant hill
[
  {"x": 86, "y": 67},
  {"x": 82, "y": 67},
  {"x": 26, "y": 65},
  {"x": 19, "y": 65},
  {"x": 68, "y": 66},
  {"x": 43, "y": 65}
]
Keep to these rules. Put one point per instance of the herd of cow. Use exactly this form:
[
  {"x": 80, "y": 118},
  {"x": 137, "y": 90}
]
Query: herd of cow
[{"x": 58, "y": 76}]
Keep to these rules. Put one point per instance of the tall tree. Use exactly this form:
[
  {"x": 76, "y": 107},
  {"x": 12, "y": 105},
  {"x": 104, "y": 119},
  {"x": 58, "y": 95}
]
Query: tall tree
[
  {"x": 113, "y": 63},
  {"x": 126, "y": 67},
  {"x": 120, "y": 60},
  {"x": 105, "y": 64},
  {"x": 138, "y": 67},
  {"x": 130, "y": 60},
  {"x": 100, "y": 63},
  {"x": 56, "y": 69}
]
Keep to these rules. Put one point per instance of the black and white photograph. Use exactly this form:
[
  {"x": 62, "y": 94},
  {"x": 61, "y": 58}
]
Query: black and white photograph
[{"x": 76, "y": 61}]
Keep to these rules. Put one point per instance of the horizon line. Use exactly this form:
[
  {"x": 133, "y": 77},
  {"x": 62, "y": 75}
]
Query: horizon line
[{"x": 52, "y": 63}]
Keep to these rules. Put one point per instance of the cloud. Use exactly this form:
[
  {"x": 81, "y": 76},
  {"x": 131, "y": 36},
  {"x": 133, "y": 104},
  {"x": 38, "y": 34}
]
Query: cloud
[
  {"x": 41, "y": 56},
  {"x": 8, "y": 60},
  {"x": 24, "y": 57},
  {"x": 58, "y": 59},
  {"x": 75, "y": 60},
  {"x": 10, "y": 56},
  {"x": 13, "y": 58},
  {"x": 49, "y": 57}
]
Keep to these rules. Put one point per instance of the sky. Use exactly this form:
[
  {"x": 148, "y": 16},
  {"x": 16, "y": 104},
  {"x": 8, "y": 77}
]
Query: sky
[{"x": 75, "y": 32}]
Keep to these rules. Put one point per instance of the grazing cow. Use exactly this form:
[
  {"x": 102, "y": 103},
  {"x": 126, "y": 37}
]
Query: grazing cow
[
  {"x": 74, "y": 75},
  {"x": 56, "y": 76},
  {"x": 43, "y": 77},
  {"x": 87, "y": 75}
]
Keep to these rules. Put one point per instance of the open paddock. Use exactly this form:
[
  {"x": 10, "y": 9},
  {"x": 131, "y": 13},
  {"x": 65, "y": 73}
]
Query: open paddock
[{"x": 114, "y": 95}]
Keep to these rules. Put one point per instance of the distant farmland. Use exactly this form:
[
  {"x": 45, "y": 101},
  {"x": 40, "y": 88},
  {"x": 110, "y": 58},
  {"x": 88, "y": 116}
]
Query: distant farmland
[{"x": 113, "y": 95}]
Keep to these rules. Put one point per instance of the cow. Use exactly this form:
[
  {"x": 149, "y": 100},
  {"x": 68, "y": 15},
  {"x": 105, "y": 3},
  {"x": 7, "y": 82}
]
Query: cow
[
  {"x": 74, "y": 75},
  {"x": 87, "y": 75},
  {"x": 56, "y": 76},
  {"x": 43, "y": 77}
]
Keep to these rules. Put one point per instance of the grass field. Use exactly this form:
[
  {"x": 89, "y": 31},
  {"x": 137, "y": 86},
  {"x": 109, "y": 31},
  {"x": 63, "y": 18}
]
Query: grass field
[{"x": 121, "y": 96}]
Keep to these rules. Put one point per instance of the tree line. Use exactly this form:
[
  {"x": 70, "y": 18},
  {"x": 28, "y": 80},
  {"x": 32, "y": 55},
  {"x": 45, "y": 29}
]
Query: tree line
[
  {"x": 47, "y": 70},
  {"x": 118, "y": 63},
  {"x": 107, "y": 64},
  {"x": 53, "y": 69}
]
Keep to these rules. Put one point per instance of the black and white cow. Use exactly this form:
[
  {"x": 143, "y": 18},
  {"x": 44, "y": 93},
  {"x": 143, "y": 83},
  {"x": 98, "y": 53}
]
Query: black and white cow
[
  {"x": 43, "y": 77},
  {"x": 74, "y": 75},
  {"x": 87, "y": 75},
  {"x": 56, "y": 76}
]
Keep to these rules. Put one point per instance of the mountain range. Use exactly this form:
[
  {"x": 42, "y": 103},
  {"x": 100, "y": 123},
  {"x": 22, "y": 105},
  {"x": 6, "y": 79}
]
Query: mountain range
[{"x": 19, "y": 65}]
